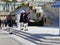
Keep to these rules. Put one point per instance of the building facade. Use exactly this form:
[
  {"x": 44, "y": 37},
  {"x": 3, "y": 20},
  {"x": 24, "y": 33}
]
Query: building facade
[
  {"x": 10, "y": 8},
  {"x": 4, "y": 14},
  {"x": 4, "y": 11}
]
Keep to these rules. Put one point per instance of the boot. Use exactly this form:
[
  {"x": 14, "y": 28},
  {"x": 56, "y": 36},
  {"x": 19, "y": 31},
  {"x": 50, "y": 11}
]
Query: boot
[
  {"x": 21, "y": 26},
  {"x": 25, "y": 27}
]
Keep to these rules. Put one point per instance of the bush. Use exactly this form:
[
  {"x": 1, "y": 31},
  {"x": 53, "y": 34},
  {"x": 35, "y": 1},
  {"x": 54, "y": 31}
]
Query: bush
[{"x": 36, "y": 23}]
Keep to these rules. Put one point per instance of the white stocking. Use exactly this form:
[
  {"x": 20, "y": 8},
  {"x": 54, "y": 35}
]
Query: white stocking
[
  {"x": 21, "y": 25},
  {"x": 25, "y": 26}
]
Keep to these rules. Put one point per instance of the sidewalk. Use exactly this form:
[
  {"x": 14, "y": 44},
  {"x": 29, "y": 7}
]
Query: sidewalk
[
  {"x": 41, "y": 30},
  {"x": 4, "y": 33},
  {"x": 12, "y": 39},
  {"x": 34, "y": 36},
  {"x": 6, "y": 39},
  {"x": 39, "y": 36}
]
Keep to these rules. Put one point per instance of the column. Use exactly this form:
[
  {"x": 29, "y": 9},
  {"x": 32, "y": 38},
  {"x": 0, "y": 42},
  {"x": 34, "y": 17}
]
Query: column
[
  {"x": 59, "y": 21},
  {"x": 18, "y": 23}
]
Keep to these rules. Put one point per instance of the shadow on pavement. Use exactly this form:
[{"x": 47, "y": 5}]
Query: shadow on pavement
[{"x": 34, "y": 38}]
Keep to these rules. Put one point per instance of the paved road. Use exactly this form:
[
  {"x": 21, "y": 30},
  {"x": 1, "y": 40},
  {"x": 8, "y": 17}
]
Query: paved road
[
  {"x": 6, "y": 40},
  {"x": 9, "y": 41},
  {"x": 36, "y": 38}
]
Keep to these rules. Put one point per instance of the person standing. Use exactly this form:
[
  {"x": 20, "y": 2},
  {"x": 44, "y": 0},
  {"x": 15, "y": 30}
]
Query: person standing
[
  {"x": 25, "y": 20},
  {"x": 0, "y": 23},
  {"x": 5, "y": 22},
  {"x": 10, "y": 23},
  {"x": 21, "y": 22}
]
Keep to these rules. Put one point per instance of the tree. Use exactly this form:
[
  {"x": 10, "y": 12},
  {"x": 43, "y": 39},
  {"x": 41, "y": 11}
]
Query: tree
[
  {"x": 14, "y": 1},
  {"x": 7, "y": 4}
]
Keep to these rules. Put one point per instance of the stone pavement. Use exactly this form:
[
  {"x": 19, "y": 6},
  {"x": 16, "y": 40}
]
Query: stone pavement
[
  {"x": 8, "y": 41},
  {"x": 38, "y": 35},
  {"x": 5, "y": 39}
]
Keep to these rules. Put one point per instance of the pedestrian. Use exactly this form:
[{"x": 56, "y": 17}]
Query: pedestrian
[
  {"x": 5, "y": 22},
  {"x": 42, "y": 20},
  {"x": 26, "y": 20},
  {"x": 0, "y": 23},
  {"x": 10, "y": 23},
  {"x": 21, "y": 22}
]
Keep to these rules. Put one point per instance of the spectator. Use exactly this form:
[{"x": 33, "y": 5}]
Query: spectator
[
  {"x": 25, "y": 20},
  {"x": 0, "y": 23},
  {"x": 10, "y": 24},
  {"x": 5, "y": 22},
  {"x": 21, "y": 22}
]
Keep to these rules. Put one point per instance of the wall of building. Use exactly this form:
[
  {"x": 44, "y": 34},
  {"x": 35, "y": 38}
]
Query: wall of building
[
  {"x": 10, "y": 8},
  {"x": 53, "y": 10},
  {"x": 44, "y": 0}
]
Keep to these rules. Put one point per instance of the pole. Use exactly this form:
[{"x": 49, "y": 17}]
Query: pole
[
  {"x": 18, "y": 23},
  {"x": 59, "y": 20}
]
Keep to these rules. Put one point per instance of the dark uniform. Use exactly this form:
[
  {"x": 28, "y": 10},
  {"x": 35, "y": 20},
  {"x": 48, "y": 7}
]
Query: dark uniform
[
  {"x": 25, "y": 19},
  {"x": 0, "y": 23},
  {"x": 21, "y": 18},
  {"x": 10, "y": 23}
]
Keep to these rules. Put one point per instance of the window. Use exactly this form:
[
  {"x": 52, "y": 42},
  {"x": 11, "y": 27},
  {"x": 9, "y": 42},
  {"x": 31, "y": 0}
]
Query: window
[
  {"x": 11, "y": 8},
  {"x": 31, "y": 7},
  {"x": 3, "y": 8},
  {"x": 34, "y": 10},
  {"x": 38, "y": 14}
]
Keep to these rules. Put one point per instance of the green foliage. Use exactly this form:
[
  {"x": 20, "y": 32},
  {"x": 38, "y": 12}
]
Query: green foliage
[
  {"x": 36, "y": 23},
  {"x": 17, "y": 8},
  {"x": 37, "y": 20},
  {"x": 14, "y": 0},
  {"x": 22, "y": 4}
]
